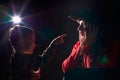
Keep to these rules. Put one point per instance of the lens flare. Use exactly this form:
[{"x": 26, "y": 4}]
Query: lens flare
[{"x": 16, "y": 19}]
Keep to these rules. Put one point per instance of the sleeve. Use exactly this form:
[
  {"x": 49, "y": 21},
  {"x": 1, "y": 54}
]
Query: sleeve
[
  {"x": 49, "y": 52},
  {"x": 71, "y": 62},
  {"x": 89, "y": 60},
  {"x": 47, "y": 55}
]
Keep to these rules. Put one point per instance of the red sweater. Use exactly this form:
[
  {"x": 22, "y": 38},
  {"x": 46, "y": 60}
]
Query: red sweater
[{"x": 75, "y": 60}]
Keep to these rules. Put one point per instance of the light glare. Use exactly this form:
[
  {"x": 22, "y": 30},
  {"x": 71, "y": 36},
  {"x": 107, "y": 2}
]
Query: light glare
[{"x": 16, "y": 19}]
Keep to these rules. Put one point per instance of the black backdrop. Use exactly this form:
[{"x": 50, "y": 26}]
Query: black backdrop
[{"x": 49, "y": 18}]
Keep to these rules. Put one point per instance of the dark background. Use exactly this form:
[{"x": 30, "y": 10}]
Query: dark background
[{"x": 49, "y": 19}]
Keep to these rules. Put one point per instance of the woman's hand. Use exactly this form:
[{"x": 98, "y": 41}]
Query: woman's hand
[
  {"x": 59, "y": 40},
  {"x": 91, "y": 35}
]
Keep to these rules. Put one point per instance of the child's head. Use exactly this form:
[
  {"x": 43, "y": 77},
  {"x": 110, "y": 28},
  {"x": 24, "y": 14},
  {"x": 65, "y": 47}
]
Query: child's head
[{"x": 23, "y": 39}]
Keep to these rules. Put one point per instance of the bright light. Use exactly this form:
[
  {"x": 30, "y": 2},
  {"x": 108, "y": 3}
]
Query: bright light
[{"x": 16, "y": 19}]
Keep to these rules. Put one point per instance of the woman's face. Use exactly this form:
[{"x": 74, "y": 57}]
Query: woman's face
[
  {"x": 82, "y": 35},
  {"x": 28, "y": 43},
  {"x": 33, "y": 44}
]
